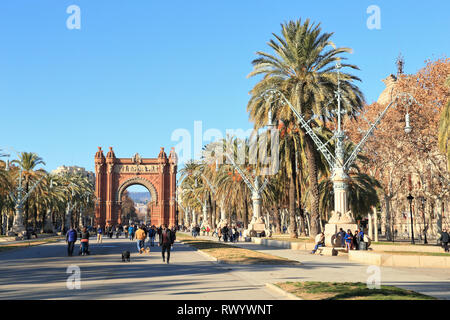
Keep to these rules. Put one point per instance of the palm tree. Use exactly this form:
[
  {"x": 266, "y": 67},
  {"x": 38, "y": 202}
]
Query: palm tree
[
  {"x": 444, "y": 129},
  {"x": 27, "y": 162},
  {"x": 304, "y": 70}
]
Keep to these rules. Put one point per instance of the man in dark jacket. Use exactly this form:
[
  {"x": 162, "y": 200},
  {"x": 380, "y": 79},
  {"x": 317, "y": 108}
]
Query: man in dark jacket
[
  {"x": 342, "y": 235},
  {"x": 165, "y": 242},
  {"x": 225, "y": 233},
  {"x": 445, "y": 237},
  {"x": 71, "y": 238}
]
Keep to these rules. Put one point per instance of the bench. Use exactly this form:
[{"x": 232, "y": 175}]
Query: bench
[{"x": 330, "y": 251}]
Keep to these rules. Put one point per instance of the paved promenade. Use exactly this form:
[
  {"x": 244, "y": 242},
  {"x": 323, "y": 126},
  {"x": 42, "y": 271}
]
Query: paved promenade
[
  {"x": 40, "y": 273},
  {"x": 434, "y": 282}
]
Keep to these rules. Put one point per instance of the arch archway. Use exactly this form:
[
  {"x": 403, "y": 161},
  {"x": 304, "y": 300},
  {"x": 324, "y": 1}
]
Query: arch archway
[
  {"x": 140, "y": 181},
  {"x": 115, "y": 175}
]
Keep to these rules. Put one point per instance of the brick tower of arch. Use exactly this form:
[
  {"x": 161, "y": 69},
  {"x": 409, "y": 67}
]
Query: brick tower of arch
[{"x": 114, "y": 175}]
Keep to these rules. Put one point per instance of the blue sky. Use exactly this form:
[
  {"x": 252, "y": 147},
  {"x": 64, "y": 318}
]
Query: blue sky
[{"x": 138, "y": 70}]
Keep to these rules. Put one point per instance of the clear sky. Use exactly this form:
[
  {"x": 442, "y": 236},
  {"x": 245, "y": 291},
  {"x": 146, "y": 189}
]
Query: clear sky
[{"x": 138, "y": 70}]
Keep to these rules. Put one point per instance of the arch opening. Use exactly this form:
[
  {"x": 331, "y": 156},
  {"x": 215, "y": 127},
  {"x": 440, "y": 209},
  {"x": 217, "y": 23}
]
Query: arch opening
[{"x": 136, "y": 202}]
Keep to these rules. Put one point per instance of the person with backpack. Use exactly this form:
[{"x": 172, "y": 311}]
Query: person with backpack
[{"x": 71, "y": 238}]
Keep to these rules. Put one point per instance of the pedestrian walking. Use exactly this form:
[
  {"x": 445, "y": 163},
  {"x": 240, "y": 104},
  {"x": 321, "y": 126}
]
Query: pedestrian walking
[
  {"x": 131, "y": 232},
  {"x": 174, "y": 235},
  {"x": 84, "y": 242},
  {"x": 236, "y": 234},
  {"x": 219, "y": 233},
  {"x": 140, "y": 239},
  {"x": 225, "y": 233},
  {"x": 151, "y": 233},
  {"x": 445, "y": 237},
  {"x": 125, "y": 231},
  {"x": 71, "y": 238},
  {"x": 135, "y": 227},
  {"x": 166, "y": 240}
]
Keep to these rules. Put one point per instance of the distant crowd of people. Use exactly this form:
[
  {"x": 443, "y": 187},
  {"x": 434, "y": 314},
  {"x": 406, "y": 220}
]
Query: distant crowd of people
[
  {"x": 134, "y": 232},
  {"x": 225, "y": 233}
]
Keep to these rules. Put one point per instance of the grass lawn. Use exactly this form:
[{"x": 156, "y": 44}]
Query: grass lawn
[
  {"x": 417, "y": 253},
  {"x": 232, "y": 254},
  {"x": 28, "y": 243},
  {"x": 315, "y": 290}
]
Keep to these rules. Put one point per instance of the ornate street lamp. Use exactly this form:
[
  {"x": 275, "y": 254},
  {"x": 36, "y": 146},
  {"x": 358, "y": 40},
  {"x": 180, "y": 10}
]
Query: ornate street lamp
[
  {"x": 425, "y": 241},
  {"x": 410, "y": 199},
  {"x": 339, "y": 162}
]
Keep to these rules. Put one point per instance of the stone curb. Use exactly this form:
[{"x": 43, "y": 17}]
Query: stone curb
[
  {"x": 211, "y": 258},
  {"x": 290, "y": 296},
  {"x": 214, "y": 259}
]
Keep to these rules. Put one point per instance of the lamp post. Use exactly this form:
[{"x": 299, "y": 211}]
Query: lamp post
[
  {"x": 338, "y": 161},
  {"x": 425, "y": 227},
  {"x": 410, "y": 199},
  {"x": 19, "y": 201}
]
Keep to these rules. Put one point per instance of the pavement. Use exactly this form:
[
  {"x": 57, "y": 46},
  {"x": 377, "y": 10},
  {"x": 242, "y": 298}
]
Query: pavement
[
  {"x": 431, "y": 281},
  {"x": 40, "y": 272}
]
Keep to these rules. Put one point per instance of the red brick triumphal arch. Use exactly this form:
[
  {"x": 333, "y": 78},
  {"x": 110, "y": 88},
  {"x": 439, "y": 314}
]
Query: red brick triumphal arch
[{"x": 114, "y": 175}]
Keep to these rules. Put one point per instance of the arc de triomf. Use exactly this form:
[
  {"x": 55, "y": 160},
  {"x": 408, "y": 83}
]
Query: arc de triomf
[{"x": 114, "y": 175}]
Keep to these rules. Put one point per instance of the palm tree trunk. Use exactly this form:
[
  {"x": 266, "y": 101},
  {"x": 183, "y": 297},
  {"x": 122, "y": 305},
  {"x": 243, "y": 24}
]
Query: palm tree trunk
[
  {"x": 313, "y": 186},
  {"x": 245, "y": 215},
  {"x": 35, "y": 213},
  {"x": 292, "y": 206},
  {"x": 301, "y": 230},
  {"x": 27, "y": 207},
  {"x": 277, "y": 219},
  {"x": 214, "y": 214}
]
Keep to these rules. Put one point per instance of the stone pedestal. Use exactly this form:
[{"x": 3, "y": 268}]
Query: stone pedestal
[
  {"x": 18, "y": 226},
  {"x": 48, "y": 227},
  {"x": 257, "y": 225}
]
